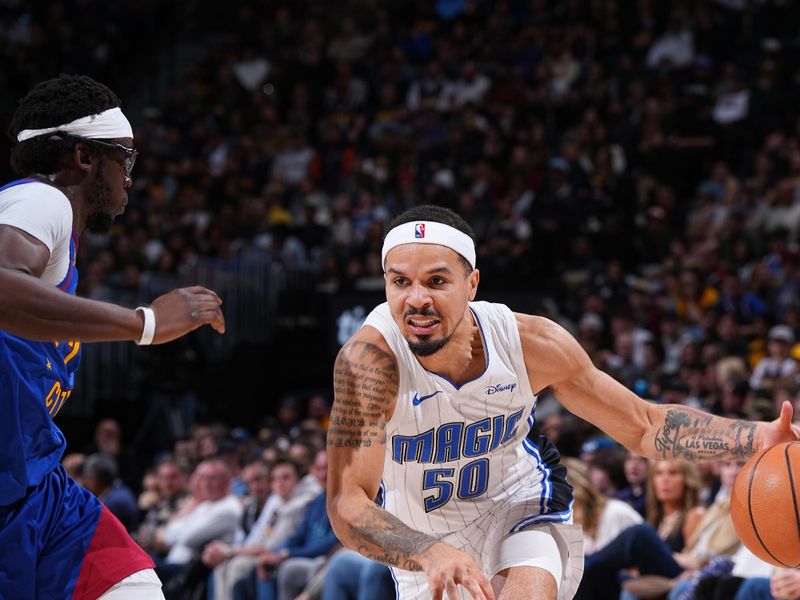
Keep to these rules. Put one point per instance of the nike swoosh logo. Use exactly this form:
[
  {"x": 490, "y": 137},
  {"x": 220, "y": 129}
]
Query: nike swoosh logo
[{"x": 416, "y": 401}]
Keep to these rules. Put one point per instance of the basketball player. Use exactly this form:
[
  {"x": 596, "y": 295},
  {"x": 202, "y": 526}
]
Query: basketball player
[
  {"x": 434, "y": 398},
  {"x": 75, "y": 152}
]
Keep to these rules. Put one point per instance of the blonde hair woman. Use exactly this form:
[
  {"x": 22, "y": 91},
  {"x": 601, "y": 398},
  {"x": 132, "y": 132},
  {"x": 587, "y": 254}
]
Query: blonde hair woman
[{"x": 673, "y": 491}]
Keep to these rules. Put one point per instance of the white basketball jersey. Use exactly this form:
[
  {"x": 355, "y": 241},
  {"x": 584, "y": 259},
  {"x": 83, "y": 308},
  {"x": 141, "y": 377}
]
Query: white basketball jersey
[{"x": 453, "y": 453}]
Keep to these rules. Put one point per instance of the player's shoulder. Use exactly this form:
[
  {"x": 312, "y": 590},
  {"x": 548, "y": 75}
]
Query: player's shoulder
[
  {"x": 34, "y": 194},
  {"x": 536, "y": 330},
  {"x": 367, "y": 344},
  {"x": 32, "y": 187}
]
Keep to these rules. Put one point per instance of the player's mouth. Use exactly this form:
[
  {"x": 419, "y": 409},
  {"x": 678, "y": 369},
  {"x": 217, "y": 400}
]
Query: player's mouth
[{"x": 422, "y": 325}]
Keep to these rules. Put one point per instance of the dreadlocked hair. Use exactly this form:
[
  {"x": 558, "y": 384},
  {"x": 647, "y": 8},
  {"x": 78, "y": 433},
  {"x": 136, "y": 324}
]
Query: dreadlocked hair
[{"x": 51, "y": 103}]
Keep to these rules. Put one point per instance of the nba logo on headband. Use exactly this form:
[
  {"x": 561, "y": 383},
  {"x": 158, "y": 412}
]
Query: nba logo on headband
[{"x": 430, "y": 232}]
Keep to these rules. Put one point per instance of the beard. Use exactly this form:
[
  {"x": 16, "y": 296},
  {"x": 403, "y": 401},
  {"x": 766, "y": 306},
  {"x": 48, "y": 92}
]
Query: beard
[
  {"x": 427, "y": 346},
  {"x": 99, "y": 219}
]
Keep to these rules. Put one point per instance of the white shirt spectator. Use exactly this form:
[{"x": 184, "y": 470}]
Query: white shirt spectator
[
  {"x": 279, "y": 517},
  {"x": 616, "y": 517},
  {"x": 770, "y": 368},
  {"x": 210, "y": 520},
  {"x": 675, "y": 48},
  {"x": 732, "y": 107}
]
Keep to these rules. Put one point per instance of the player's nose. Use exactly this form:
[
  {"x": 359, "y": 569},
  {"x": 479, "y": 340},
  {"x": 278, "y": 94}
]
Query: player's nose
[{"x": 418, "y": 296}]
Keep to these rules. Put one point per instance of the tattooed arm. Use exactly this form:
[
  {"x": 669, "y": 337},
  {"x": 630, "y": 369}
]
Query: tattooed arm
[
  {"x": 365, "y": 382},
  {"x": 660, "y": 431}
]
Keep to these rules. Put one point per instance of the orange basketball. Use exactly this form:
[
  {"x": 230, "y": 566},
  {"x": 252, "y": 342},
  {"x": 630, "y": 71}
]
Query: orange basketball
[{"x": 765, "y": 505}]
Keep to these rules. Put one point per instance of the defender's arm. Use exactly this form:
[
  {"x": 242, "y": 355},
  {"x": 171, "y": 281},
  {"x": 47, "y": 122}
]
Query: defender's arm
[{"x": 35, "y": 310}]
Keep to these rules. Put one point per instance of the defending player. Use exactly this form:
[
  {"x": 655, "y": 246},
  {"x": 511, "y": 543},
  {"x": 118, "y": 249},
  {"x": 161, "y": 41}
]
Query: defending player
[
  {"x": 75, "y": 152},
  {"x": 434, "y": 398}
]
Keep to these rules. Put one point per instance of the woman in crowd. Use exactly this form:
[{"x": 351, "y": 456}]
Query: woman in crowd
[{"x": 601, "y": 517}]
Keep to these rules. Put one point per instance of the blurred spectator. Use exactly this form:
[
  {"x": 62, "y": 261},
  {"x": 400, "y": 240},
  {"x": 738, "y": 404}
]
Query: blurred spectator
[
  {"x": 602, "y": 518},
  {"x": 149, "y": 495},
  {"x": 289, "y": 496},
  {"x": 606, "y": 470},
  {"x": 215, "y": 515},
  {"x": 285, "y": 572},
  {"x": 100, "y": 478},
  {"x": 73, "y": 464},
  {"x": 778, "y": 362},
  {"x": 172, "y": 491},
  {"x": 658, "y": 564},
  {"x": 672, "y": 501},
  {"x": 634, "y": 493},
  {"x": 351, "y": 576}
]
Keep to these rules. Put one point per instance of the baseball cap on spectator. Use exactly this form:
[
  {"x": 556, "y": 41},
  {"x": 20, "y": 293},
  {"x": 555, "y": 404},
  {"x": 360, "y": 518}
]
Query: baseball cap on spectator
[
  {"x": 598, "y": 443},
  {"x": 781, "y": 333}
]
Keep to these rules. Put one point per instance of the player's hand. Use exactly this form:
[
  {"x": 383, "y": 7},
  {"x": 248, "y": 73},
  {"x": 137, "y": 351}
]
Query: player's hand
[
  {"x": 780, "y": 430},
  {"x": 447, "y": 568},
  {"x": 183, "y": 310}
]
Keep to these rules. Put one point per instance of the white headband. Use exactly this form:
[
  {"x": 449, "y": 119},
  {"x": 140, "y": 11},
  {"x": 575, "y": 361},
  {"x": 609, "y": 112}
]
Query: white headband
[
  {"x": 106, "y": 125},
  {"x": 430, "y": 232}
]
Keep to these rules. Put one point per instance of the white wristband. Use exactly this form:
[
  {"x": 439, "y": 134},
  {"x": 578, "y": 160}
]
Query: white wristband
[{"x": 149, "y": 330}]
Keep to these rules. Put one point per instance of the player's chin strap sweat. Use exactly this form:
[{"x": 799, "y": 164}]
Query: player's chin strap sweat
[
  {"x": 429, "y": 232},
  {"x": 107, "y": 125}
]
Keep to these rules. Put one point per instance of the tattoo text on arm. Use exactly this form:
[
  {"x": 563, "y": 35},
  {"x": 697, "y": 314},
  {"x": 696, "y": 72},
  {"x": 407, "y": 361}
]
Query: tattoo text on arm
[
  {"x": 365, "y": 379},
  {"x": 399, "y": 544},
  {"x": 692, "y": 435}
]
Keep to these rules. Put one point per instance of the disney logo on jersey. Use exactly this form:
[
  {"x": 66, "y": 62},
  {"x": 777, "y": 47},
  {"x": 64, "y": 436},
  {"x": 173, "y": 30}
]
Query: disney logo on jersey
[
  {"x": 500, "y": 387},
  {"x": 417, "y": 400}
]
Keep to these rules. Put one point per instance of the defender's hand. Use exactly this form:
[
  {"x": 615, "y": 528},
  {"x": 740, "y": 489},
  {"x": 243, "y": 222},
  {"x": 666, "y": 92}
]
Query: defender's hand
[
  {"x": 447, "y": 568},
  {"x": 183, "y": 310}
]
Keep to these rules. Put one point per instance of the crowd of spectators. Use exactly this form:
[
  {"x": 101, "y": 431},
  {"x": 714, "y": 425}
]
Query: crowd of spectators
[{"x": 637, "y": 163}]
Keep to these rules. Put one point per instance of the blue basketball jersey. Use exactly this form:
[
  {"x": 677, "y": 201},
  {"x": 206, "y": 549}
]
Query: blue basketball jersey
[{"x": 36, "y": 379}]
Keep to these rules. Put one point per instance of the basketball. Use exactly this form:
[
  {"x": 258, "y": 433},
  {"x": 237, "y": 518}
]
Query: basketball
[{"x": 764, "y": 504}]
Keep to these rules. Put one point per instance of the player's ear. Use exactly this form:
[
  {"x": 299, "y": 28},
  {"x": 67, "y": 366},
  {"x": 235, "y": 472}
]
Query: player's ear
[
  {"x": 83, "y": 157},
  {"x": 474, "y": 278}
]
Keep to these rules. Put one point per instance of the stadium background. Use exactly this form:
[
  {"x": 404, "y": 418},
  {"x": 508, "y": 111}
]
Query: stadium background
[{"x": 631, "y": 169}]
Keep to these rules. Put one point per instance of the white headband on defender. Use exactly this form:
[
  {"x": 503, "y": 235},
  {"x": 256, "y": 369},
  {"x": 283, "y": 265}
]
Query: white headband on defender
[
  {"x": 106, "y": 125},
  {"x": 429, "y": 232}
]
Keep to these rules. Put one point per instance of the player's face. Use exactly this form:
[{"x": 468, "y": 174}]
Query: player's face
[
  {"x": 428, "y": 289},
  {"x": 107, "y": 193}
]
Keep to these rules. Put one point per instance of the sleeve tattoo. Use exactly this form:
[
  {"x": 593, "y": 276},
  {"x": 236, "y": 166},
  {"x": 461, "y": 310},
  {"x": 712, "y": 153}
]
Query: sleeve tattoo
[
  {"x": 398, "y": 543},
  {"x": 693, "y": 435},
  {"x": 365, "y": 381}
]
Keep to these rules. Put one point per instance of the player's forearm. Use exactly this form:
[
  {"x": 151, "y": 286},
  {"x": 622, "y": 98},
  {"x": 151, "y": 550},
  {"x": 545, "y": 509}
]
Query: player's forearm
[
  {"x": 679, "y": 432},
  {"x": 380, "y": 536},
  {"x": 34, "y": 310}
]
